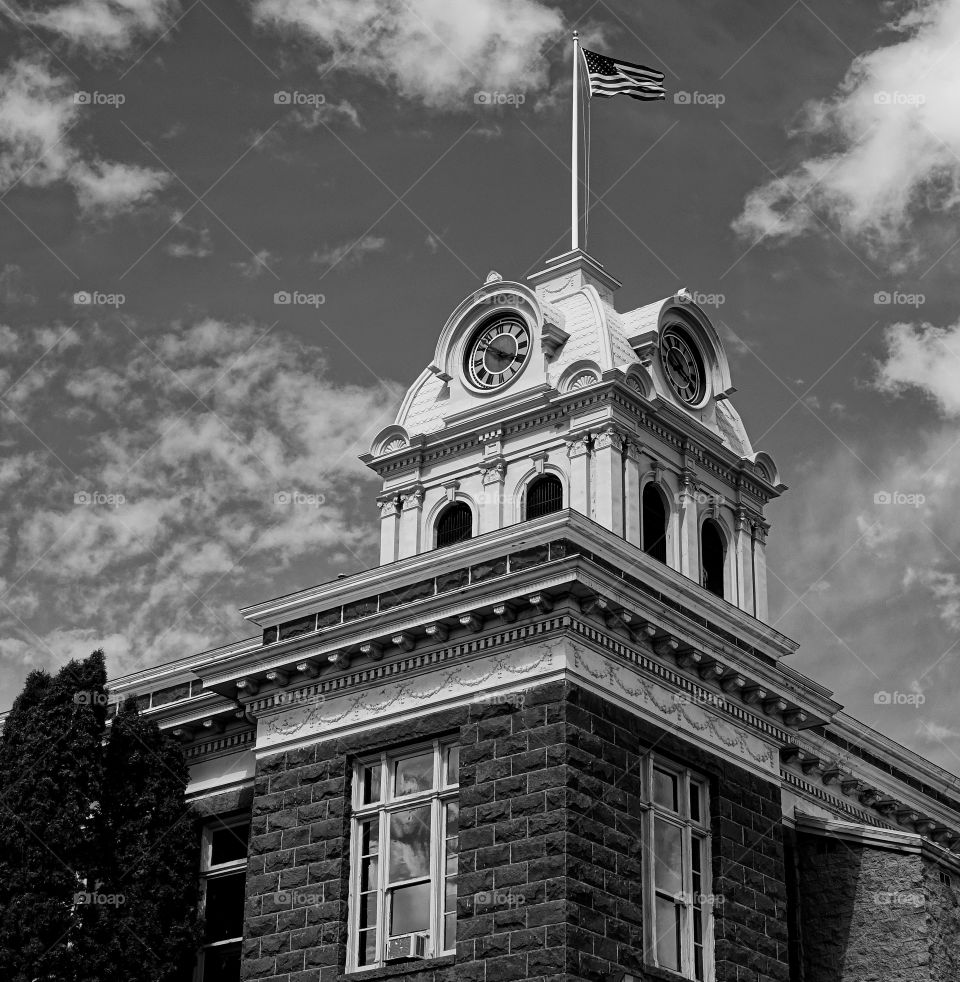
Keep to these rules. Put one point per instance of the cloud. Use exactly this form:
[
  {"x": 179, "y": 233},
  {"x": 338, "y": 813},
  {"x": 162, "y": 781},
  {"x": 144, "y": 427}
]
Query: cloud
[
  {"x": 349, "y": 253},
  {"x": 491, "y": 131},
  {"x": 877, "y": 519},
  {"x": 36, "y": 111},
  {"x": 166, "y": 516},
  {"x": 12, "y": 289},
  {"x": 109, "y": 189},
  {"x": 196, "y": 245},
  {"x": 925, "y": 358},
  {"x": 936, "y": 733},
  {"x": 891, "y": 146},
  {"x": 102, "y": 26},
  {"x": 438, "y": 52},
  {"x": 943, "y": 586},
  {"x": 38, "y": 117},
  {"x": 256, "y": 265},
  {"x": 328, "y": 113}
]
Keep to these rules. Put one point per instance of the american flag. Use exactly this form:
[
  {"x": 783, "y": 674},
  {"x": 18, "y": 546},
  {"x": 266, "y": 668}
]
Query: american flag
[{"x": 610, "y": 77}]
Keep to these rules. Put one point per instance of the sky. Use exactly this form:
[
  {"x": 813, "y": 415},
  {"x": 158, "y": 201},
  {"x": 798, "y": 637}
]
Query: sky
[{"x": 176, "y": 442}]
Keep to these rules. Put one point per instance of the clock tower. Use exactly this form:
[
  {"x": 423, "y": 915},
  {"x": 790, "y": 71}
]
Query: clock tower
[{"x": 543, "y": 391}]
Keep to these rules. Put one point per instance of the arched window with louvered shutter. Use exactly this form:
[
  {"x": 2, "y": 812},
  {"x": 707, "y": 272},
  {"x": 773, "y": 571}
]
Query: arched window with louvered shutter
[
  {"x": 713, "y": 550},
  {"x": 654, "y": 522},
  {"x": 455, "y": 524},
  {"x": 544, "y": 495}
]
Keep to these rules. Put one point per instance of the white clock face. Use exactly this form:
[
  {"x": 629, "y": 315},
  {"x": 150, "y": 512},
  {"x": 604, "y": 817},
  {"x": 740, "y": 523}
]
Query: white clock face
[
  {"x": 682, "y": 366},
  {"x": 497, "y": 352}
]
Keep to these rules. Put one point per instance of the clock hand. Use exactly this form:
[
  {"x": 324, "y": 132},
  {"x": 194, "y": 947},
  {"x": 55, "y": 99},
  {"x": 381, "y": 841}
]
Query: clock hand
[
  {"x": 678, "y": 365},
  {"x": 507, "y": 355}
]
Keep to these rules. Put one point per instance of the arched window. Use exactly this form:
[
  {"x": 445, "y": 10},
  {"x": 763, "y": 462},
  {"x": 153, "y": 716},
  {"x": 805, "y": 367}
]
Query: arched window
[
  {"x": 712, "y": 549},
  {"x": 653, "y": 523},
  {"x": 544, "y": 495},
  {"x": 454, "y": 524}
]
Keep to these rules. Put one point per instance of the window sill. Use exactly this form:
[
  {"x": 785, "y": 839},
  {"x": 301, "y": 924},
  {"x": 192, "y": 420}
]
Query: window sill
[
  {"x": 654, "y": 973},
  {"x": 409, "y": 967}
]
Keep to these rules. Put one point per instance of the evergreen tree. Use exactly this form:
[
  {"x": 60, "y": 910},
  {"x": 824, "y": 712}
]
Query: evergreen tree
[
  {"x": 150, "y": 846},
  {"x": 98, "y": 850},
  {"x": 50, "y": 776}
]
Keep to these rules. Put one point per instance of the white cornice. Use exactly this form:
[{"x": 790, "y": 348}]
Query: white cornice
[
  {"x": 523, "y": 661},
  {"x": 866, "y": 835},
  {"x": 544, "y": 401}
]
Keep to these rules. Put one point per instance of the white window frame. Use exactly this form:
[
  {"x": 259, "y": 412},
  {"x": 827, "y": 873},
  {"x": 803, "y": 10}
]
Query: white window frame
[
  {"x": 438, "y": 797},
  {"x": 210, "y": 872},
  {"x": 693, "y": 833}
]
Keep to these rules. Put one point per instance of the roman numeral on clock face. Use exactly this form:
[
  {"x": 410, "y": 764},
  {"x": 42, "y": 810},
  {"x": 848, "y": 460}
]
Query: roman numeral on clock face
[{"x": 498, "y": 352}]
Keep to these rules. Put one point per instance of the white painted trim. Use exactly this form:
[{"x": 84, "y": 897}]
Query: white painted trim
[
  {"x": 513, "y": 668},
  {"x": 866, "y": 835}
]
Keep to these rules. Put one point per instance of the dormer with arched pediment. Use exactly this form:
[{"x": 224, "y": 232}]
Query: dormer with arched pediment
[{"x": 542, "y": 395}]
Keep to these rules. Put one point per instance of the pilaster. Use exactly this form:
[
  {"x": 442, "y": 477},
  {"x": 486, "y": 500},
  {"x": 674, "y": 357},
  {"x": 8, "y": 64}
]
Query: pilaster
[
  {"x": 411, "y": 515},
  {"x": 760, "y": 530},
  {"x": 389, "y": 528},
  {"x": 631, "y": 493},
  {"x": 494, "y": 471},
  {"x": 743, "y": 561},
  {"x": 608, "y": 453},
  {"x": 578, "y": 452},
  {"x": 687, "y": 532}
]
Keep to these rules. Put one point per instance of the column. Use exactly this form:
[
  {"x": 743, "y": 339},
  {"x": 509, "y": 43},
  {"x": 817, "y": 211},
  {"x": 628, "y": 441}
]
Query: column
[
  {"x": 631, "y": 494},
  {"x": 743, "y": 560},
  {"x": 578, "y": 452},
  {"x": 491, "y": 504},
  {"x": 688, "y": 539},
  {"x": 389, "y": 528},
  {"x": 411, "y": 515},
  {"x": 608, "y": 492},
  {"x": 760, "y": 530}
]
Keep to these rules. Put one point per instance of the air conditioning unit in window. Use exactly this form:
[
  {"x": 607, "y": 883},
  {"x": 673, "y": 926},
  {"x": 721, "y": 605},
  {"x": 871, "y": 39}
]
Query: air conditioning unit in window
[{"x": 407, "y": 946}]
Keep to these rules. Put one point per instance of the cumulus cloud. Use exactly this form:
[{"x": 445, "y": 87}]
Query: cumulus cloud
[
  {"x": 877, "y": 518},
  {"x": 349, "y": 253},
  {"x": 196, "y": 243},
  {"x": 925, "y": 358},
  {"x": 38, "y": 116},
  {"x": 108, "y": 188},
  {"x": 889, "y": 142},
  {"x": 101, "y": 26},
  {"x": 943, "y": 586},
  {"x": 436, "y": 51},
  {"x": 216, "y": 463},
  {"x": 258, "y": 264}
]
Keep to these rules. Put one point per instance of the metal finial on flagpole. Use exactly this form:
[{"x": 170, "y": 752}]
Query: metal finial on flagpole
[{"x": 574, "y": 170}]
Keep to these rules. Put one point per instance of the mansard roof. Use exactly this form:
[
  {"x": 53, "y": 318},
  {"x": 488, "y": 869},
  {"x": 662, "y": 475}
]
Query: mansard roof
[{"x": 570, "y": 307}]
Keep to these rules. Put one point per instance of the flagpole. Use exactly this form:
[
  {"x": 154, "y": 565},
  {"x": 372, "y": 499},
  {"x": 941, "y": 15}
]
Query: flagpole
[{"x": 574, "y": 171}]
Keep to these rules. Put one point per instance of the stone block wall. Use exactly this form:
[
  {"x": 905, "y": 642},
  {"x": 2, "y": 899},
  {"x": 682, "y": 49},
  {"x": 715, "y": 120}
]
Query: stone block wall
[
  {"x": 606, "y": 744},
  {"x": 868, "y": 913},
  {"x": 550, "y": 856},
  {"x": 860, "y": 913},
  {"x": 943, "y": 921}
]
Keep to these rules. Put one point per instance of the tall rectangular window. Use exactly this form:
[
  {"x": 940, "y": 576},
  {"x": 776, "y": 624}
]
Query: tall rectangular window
[
  {"x": 403, "y": 896},
  {"x": 678, "y": 907},
  {"x": 223, "y": 875}
]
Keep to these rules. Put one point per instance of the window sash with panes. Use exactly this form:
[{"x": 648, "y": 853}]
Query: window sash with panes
[
  {"x": 679, "y": 920},
  {"x": 223, "y": 874},
  {"x": 404, "y": 852}
]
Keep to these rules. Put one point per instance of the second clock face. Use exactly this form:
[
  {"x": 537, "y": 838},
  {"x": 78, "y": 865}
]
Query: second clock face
[
  {"x": 683, "y": 367},
  {"x": 497, "y": 352}
]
